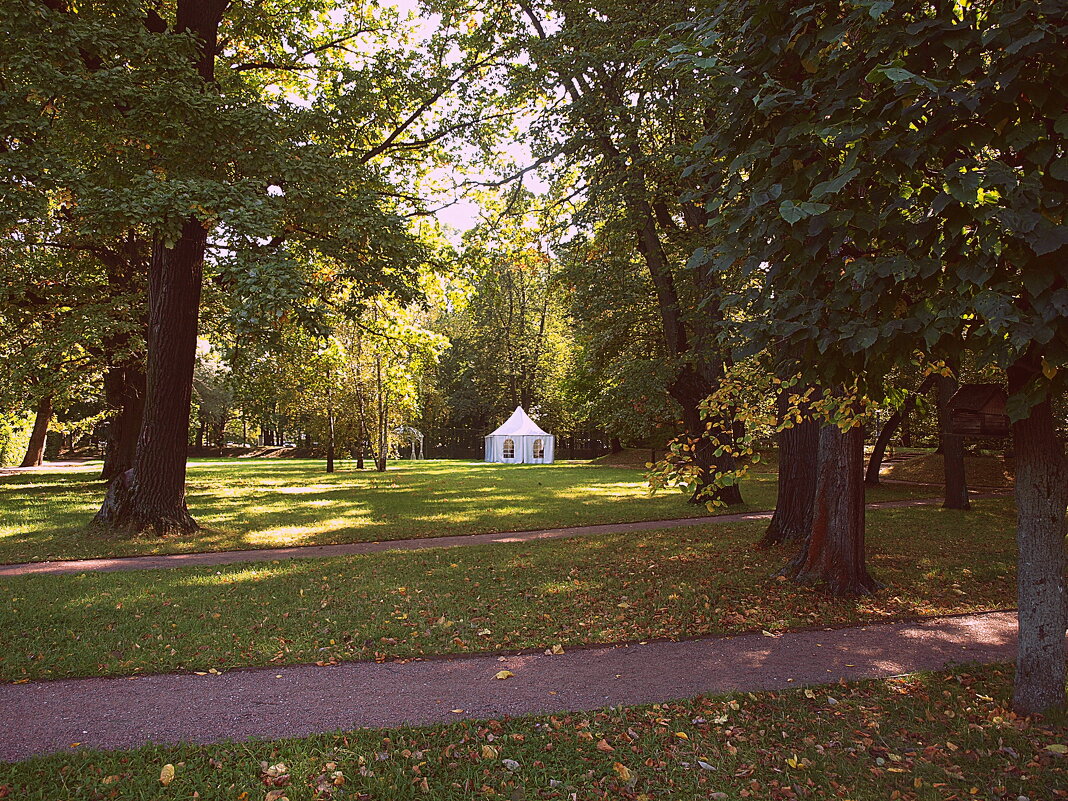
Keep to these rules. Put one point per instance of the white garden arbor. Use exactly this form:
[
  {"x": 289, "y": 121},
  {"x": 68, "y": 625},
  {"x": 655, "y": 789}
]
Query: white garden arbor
[{"x": 520, "y": 441}]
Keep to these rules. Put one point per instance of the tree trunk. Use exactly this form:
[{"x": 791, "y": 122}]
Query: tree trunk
[
  {"x": 151, "y": 497},
  {"x": 330, "y": 440},
  {"x": 952, "y": 448},
  {"x": 898, "y": 418},
  {"x": 615, "y": 446},
  {"x": 1041, "y": 503},
  {"x": 124, "y": 390},
  {"x": 798, "y": 449},
  {"x": 906, "y": 429},
  {"x": 833, "y": 553},
  {"x": 35, "y": 450},
  {"x": 878, "y": 452}
]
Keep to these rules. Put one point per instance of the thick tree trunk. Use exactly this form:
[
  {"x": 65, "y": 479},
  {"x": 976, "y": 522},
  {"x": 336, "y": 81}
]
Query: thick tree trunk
[
  {"x": 614, "y": 445},
  {"x": 124, "y": 389},
  {"x": 798, "y": 450},
  {"x": 906, "y": 429},
  {"x": 1041, "y": 503},
  {"x": 35, "y": 450},
  {"x": 151, "y": 496},
  {"x": 952, "y": 448},
  {"x": 833, "y": 553}
]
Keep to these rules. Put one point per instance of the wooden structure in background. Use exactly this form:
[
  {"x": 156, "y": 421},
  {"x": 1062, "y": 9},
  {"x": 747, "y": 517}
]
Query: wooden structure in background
[{"x": 978, "y": 410}]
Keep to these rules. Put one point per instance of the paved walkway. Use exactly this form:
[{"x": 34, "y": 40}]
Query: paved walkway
[
  {"x": 319, "y": 551},
  {"x": 300, "y": 700}
]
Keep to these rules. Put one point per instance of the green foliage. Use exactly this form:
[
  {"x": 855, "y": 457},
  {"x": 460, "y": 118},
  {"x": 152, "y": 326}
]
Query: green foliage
[
  {"x": 511, "y": 341},
  {"x": 15, "y": 431},
  {"x": 916, "y": 159}
]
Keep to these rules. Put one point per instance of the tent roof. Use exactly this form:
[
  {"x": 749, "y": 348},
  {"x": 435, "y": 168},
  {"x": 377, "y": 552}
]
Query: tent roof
[{"x": 519, "y": 425}]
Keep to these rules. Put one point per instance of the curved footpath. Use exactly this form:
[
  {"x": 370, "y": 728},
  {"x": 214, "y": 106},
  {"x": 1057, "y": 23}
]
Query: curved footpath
[
  {"x": 213, "y": 558},
  {"x": 299, "y": 700}
]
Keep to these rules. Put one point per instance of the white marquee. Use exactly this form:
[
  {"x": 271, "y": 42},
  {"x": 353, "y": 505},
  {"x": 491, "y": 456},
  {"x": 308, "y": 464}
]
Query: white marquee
[{"x": 520, "y": 441}]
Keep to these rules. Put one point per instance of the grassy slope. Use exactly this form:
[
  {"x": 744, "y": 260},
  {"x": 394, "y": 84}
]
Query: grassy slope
[
  {"x": 946, "y": 736},
  {"x": 245, "y": 503},
  {"x": 981, "y": 471},
  {"x": 601, "y": 589}
]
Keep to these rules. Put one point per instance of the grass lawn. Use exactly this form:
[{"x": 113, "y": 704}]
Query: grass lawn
[
  {"x": 946, "y": 736},
  {"x": 675, "y": 583},
  {"x": 262, "y": 503}
]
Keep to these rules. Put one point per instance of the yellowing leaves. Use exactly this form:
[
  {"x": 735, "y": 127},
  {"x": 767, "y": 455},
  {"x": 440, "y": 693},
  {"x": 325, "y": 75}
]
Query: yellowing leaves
[
  {"x": 1057, "y": 748},
  {"x": 623, "y": 772},
  {"x": 504, "y": 674},
  {"x": 166, "y": 774},
  {"x": 489, "y": 752}
]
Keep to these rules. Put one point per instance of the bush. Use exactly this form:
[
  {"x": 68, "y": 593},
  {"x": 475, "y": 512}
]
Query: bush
[{"x": 15, "y": 431}]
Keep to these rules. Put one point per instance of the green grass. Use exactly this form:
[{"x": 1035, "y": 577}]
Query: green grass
[
  {"x": 261, "y": 503},
  {"x": 944, "y": 736},
  {"x": 675, "y": 583}
]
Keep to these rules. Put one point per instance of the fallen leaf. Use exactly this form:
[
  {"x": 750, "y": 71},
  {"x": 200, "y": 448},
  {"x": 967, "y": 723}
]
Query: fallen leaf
[
  {"x": 602, "y": 745},
  {"x": 276, "y": 795},
  {"x": 682, "y": 735},
  {"x": 622, "y": 771},
  {"x": 1057, "y": 748},
  {"x": 705, "y": 765},
  {"x": 456, "y": 711},
  {"x": 504, "y": 674},
  {"x": 166, "y": 775},
  {"x": 511, "y": 764},
  {"x": 809, "y": 694},
  {"x": 489, "y": 752}
]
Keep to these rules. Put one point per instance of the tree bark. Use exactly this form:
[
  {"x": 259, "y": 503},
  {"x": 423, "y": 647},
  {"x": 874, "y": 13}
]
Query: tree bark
[
  {"x": 798, "y": 451},
  {"x": 832, "y": 555},
  {"x": 1041, "y": 504},
  {"x": 329, "y": 435},
  {"x": 124, "y": 390},
  {"x": 952, "y": 448},
  {"x": 35, "y": 450},
  {"x": 151, "y": 496}
]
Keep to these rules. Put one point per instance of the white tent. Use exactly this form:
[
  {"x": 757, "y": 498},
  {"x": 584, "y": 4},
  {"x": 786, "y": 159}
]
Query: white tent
[{"x": 520, "y": 441}]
